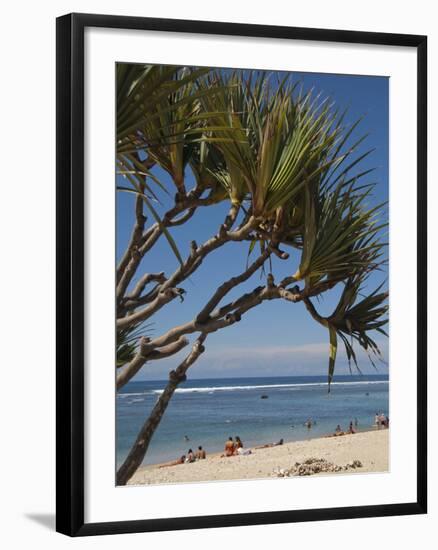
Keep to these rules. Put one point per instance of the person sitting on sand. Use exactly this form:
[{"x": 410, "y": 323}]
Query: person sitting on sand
[
  {"x": 241, "y": 451},
  {"x": 179, "y": 460},
  {"x": 200, "y": 453},
  {"x": 238, "y": 447},
  {"x": 229, "y": 447},
  {"x": 190, "y": 457},
  {"x": 238, "y": 444},
  {"x": 351, "y": 430},
  {"x": 338, "y": 430}
]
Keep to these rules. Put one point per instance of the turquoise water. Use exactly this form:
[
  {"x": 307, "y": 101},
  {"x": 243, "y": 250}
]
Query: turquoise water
[{"x": 209, "y": 411}]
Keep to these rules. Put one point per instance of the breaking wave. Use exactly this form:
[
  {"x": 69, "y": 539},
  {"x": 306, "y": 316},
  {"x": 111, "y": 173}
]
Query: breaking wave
[{"x": 213, "y": 389}]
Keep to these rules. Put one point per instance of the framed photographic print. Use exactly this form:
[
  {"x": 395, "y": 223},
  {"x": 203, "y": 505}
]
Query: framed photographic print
[{"x": 241, "y": 274}]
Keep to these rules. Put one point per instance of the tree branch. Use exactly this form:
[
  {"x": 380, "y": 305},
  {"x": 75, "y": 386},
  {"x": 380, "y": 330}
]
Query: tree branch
[
  {"x": 223, "y": 289},
  {"x": 146, "y": 353},
  {"x": 136, "y": 236},
  {"x": 128, "y": 304},
  {"x": 163, "y": 297},
  {"x": 198, "y": 253},
  {"x": 143, "y": 243},
  {"x": 224, "y": 317},
  {"x": 144, "y": 280}
]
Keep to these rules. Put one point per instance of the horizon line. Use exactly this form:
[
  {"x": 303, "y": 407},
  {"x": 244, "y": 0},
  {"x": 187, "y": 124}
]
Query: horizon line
[{"x": 352, "y": 375}]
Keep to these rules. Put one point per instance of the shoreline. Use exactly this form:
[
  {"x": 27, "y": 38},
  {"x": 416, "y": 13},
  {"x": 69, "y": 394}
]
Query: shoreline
[
  {"x": 254, "y": 447},
  {"x": 370, "y": 447}
]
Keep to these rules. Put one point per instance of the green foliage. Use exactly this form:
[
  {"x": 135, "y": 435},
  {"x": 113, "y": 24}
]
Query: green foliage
[
  {"x": 208, "y": 167},
  {"x": 281, "y": 155},
  {"x": 155, "y": 110},
  {"x": 151, "y": 98},
  {"x": 354, "y": 320},
  {"x": 341, "y": 235},
  {"x": 273, "y": 143}
]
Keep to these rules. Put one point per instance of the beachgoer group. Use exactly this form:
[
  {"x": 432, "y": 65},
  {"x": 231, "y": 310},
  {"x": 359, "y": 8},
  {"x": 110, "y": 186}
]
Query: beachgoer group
[
  {"x": 380, "y": 421},
  {"x": 200, "y": 454},
  {"x": 193, "y": 457},
  {"x": 235, "y": 447}
]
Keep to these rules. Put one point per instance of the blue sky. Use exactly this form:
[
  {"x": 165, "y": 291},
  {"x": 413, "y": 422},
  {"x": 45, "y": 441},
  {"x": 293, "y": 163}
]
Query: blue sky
[{"x": 276, "y": 338}]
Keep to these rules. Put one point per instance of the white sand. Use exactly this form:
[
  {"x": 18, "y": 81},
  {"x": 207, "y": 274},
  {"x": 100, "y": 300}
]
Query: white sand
[{"x": 371, "y": 448}]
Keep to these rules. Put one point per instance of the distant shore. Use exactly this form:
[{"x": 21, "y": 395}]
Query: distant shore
[{"x": 370, "y": 448}]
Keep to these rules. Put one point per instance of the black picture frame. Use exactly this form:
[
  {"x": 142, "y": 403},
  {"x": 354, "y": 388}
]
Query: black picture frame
[{"x": 70, "y": 273}]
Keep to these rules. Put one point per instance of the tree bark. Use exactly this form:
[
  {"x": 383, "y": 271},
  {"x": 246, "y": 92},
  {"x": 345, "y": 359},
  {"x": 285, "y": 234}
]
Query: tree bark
[{"x": 136, "y": 236}]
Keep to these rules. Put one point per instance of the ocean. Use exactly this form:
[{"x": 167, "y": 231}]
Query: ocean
[{"x": 208, "y": 411}]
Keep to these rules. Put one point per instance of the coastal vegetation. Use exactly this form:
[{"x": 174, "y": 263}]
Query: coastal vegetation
[{"x": 287, "y": 166}]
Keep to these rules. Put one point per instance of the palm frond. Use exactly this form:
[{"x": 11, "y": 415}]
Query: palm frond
[
  {"x": 355, "y": 319},
  {"x": 127, "y": 341},
  {"x": 342, "y": 236}
]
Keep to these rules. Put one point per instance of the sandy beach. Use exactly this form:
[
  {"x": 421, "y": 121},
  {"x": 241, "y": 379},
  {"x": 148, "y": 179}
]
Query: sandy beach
[{"x": 370, "y": 448}]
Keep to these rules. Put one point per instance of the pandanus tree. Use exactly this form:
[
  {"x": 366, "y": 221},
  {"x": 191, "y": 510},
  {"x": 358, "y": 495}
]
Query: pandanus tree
[{"x": 283, "y": 162}]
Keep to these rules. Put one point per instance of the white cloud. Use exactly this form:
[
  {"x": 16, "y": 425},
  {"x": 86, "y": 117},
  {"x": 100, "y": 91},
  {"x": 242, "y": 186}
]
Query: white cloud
[
  {"x": 313, "y": 350},
  {"x": 239, "y": 361}
]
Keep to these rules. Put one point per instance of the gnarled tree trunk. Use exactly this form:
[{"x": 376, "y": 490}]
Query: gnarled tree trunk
[{"x": 138, "y": 450}]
